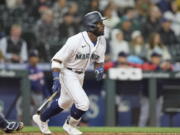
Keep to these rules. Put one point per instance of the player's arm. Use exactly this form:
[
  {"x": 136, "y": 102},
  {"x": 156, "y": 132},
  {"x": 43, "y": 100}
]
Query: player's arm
[
  {"x": 56, "y": 66},
  {"x": 99, "y": 70},
  {"x": 59, "y": 58},
  {"x": 99, "y": 63}
]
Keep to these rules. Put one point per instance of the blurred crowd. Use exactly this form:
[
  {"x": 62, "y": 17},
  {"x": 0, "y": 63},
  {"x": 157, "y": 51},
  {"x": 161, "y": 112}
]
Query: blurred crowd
[{"x": 139, "y": 33}]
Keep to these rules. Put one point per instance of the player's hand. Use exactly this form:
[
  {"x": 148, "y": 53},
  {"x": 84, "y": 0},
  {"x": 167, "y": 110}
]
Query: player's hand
[
  {"x": 56, "y": 84},
  {"x": 99, "y": 73}
]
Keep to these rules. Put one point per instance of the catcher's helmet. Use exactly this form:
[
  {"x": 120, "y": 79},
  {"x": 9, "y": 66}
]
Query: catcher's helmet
[{"x": 90, "y": 20}]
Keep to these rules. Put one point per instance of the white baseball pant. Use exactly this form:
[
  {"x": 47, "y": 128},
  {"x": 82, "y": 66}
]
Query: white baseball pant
[{"x": 72, "y": 91}]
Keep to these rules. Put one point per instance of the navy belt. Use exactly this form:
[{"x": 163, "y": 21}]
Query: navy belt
[{"x": 78, "y": 72}]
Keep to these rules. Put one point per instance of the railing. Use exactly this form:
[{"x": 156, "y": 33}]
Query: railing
[
  {"x": 133, "y": 74},
  {"x": 16, "y": 70}
]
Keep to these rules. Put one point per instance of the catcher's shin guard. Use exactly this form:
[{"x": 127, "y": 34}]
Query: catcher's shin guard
[{"x": 13, "y": 126}]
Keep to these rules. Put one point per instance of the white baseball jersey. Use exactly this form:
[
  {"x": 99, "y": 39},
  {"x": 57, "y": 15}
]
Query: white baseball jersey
[
  {"x": 76, "y": 54},
  {"x": 79, "y": 51}
]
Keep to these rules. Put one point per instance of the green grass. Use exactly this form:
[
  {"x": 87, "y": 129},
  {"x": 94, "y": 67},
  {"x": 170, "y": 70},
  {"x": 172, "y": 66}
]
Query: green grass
[{"x": 112, "y": 129}]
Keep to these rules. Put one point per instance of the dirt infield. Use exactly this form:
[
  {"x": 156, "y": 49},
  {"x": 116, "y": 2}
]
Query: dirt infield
[{"x": 98, "y": 134}]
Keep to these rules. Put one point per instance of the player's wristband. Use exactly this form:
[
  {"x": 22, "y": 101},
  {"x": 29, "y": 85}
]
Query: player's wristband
[
  {"x": 55, "y": 75},
  {"x": 56, "y": 64}
]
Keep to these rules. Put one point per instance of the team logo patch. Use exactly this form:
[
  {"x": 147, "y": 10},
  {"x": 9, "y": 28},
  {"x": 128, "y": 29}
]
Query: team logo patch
[
  {"x": 86, "y": 56},
  {"x": 82, "y": 56}
]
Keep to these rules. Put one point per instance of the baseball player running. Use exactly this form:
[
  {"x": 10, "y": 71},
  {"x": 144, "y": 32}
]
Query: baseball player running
[
  {"x": 8, "y": 126},
  {"x": 68, "y": 67}
]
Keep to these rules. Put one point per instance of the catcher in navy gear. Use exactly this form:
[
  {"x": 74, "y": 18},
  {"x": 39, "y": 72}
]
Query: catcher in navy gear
[{"x": 8, "y": 126}]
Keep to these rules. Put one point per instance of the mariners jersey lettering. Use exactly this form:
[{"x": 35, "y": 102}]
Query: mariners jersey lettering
[
  {"x": 79, "y": 51},
  {"x": 87, "y": 56}
]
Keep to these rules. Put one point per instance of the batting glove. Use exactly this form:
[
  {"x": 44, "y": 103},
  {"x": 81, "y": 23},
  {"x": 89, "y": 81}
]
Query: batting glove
[
  {"x": 99, "y": 73},
  {"x": 56, "y": 84}
]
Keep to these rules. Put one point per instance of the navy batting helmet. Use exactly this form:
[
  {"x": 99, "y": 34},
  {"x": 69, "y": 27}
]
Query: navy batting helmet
[{"x": 90, "y": 20}]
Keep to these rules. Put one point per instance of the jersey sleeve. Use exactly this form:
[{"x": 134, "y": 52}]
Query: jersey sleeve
[
  {"x": 102, "y": 52},
  {"x": 66, "y": 51}
]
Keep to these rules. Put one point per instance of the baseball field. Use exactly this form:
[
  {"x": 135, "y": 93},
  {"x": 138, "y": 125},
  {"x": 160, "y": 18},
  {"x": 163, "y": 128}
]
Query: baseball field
[{"x": 105, "y": 131}]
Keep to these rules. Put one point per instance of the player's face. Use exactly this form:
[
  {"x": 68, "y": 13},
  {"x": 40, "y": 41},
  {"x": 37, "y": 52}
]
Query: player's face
[{"x": 99, "y": 29}]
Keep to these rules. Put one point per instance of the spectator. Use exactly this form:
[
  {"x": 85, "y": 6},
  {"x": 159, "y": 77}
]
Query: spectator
[
  {"x": 144, "y": 109},
  {"x": 29, "y": 3},
  {"x": 59, "y": 9},
  {"x": 73, "y": 10},
  {"x": 37, "y": 83},
  {"x": 155, "y": 1},
  {"x": 174, "y": 16},
  {"x": 93, "y": 6},
  {"x": 121, "y": 61},
  {"x": 167, "y": 35},
  {"x": 39, "y": 7},
  {"x": 155, "y": 64},
  {"x": 164, "y": 5},
  {"x": 46, "y": 34},
  {"x": 68, "y": 27},
  {"x": 13, "y": 47},
  {"x": 155, "y": 44},
  {"x": 132, "y": 15},
  {"x": 113, "y": 19},
  {"x": 137, "y": 45},
  {"x": 16, "y": 12},
  {"x": 118, "y": 44},
  {"x": 46, "y": 30},
  {"x": 127, "y": 28},
  {"x": 36, "y": 77},
  {"x": 12, "y": 4},
  {"x": 152, "y": 23},
  {"x": 143, "y": 7},
  {"x": 128, "y": 13},
  {"x": 124, "y": 3}
]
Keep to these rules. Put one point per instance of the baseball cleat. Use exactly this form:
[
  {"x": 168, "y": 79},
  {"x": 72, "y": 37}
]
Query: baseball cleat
[
  {"x": 71, "y": 130},
  {"x": 43, "y": 126}
]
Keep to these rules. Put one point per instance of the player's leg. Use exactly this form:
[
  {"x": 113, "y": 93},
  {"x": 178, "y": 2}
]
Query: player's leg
[
  {"x": 77, "y": 113},
  {"x": 144, "y": 111},
  {"x": 80, "y": 99},
  {"x": 159, "y": 104},
  {"x": 58, "y": 105},
  {"x": 42, "y": 119},
  {"x": 9, "y": 127},
  {"x": 54, "y": 109},
  {"x": 73, "y": 120}
]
